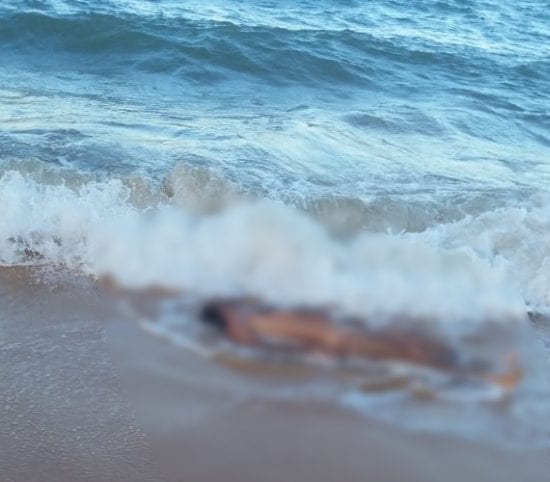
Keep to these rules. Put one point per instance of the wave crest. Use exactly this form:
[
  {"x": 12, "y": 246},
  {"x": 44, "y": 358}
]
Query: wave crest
[{"x": 478, "y": 268}]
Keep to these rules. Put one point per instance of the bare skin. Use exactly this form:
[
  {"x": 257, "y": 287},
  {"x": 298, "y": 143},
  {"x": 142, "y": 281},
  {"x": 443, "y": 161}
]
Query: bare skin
[{"x": 250, "y": 323}]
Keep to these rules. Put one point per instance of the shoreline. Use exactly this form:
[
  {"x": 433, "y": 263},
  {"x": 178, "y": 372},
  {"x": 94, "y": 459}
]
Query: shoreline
[
  {"x": 253, "y": 439},
  {"x": 101, "y": 399}
]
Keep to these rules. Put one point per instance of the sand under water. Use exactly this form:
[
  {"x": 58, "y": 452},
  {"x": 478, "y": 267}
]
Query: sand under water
[{"x": 89, "y": 395}]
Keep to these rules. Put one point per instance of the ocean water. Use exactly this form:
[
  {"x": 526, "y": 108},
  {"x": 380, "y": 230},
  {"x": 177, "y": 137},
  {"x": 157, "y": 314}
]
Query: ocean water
[{"x": 389, "y": 158}]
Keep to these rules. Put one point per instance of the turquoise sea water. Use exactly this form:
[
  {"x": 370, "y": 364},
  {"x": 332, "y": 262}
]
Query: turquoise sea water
[{"x": 287, "y": 99}]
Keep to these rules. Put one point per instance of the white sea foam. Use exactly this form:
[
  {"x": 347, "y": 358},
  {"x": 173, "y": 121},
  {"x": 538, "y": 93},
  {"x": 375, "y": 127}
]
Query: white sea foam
[{"x": 486, "y": 267}]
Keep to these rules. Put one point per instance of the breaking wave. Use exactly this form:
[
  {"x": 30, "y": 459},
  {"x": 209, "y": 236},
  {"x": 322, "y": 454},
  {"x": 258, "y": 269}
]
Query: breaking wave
[{"x": 494, "y": 265}]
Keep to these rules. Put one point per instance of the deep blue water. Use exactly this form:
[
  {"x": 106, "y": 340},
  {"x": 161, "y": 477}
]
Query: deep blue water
[{"x": 337, "y": 98}]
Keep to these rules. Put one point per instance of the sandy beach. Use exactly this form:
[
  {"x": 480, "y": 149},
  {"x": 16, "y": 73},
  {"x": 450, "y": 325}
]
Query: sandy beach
[{"x": 88, "y": 396}]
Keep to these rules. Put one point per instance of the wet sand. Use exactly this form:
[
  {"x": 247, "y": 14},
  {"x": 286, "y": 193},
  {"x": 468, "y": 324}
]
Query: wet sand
[
  {"x": 87, "y": 396},
  {"x": 62, "y": 414}
]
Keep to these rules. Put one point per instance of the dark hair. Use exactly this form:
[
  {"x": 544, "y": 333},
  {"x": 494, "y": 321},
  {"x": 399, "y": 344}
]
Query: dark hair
[{"x": 212, "y": 314}]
